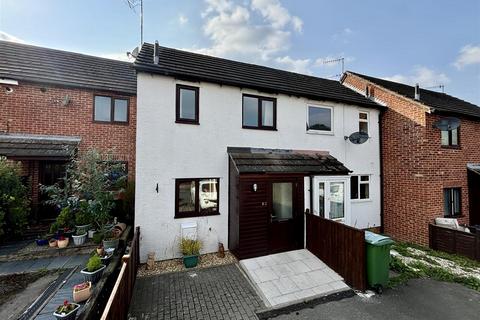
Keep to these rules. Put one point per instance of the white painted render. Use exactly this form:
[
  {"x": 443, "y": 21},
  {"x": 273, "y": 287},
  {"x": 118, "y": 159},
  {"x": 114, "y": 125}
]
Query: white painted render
[{"x": 167, "y": 150}]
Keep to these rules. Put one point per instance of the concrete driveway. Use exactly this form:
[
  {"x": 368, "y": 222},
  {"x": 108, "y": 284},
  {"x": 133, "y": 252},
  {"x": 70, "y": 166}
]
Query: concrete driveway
[{"x": 419, "y": 299}]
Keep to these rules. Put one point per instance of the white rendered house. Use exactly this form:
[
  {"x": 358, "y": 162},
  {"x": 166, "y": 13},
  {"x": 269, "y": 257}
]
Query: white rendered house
[{"x": 235, "y": 153}]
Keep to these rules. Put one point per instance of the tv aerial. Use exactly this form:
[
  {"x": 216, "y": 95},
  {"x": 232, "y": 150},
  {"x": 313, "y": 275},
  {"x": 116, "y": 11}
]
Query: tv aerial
[
  {"x": 357, "y": 137},
  {"x": 447, "y": 124}
]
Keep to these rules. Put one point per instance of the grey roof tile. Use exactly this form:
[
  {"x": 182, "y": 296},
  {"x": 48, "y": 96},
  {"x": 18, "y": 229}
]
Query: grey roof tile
[
  {"x": 50, "y": 66},
  {"x": 193, "y": 66}
]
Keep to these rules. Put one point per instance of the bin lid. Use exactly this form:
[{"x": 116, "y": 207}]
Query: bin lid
[{"x": 377, "y": 239}]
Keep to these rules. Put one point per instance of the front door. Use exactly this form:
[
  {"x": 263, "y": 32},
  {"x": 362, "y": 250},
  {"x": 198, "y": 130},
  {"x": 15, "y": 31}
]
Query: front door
[
  {"x": 330, "y": 198},
  {"x": 50, "y": 173},
  {"x": 285, "y": 220}
]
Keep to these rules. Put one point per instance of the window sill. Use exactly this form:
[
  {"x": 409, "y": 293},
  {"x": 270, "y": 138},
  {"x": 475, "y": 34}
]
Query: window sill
[
  {"x": 260, "y": 128},
  {"x": 119, "y": 123},
  {"x": 328, "y": 133},
  {"x": 452, "y": 147},
  {"x": 195, "y": 215},
  {"x": 187, "y": 122},
  {"x": 360, "y": 200}
]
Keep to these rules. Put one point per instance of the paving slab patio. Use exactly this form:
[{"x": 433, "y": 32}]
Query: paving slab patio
[{"x": 290, "y": 277}]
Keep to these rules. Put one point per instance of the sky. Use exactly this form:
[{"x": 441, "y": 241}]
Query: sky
[{"x": 430, "y": 42}]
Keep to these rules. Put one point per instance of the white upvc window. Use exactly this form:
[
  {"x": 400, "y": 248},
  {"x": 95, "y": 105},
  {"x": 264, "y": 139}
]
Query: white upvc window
[
  {"x": 319, "y": 119},
  {"x": 360, "y": 187},
  {"x": 363, "y": 121}
]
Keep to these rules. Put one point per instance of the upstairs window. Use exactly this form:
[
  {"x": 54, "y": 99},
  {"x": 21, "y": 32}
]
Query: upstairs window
[
  {"x": 187, "y": 104},
  {"x": 450, "y": 138},
  {"x": 196, "y": 197},
  {"x": 452, "y": 202},
  {"x": 363, "y": 122},
  {"x": 360, "y": 187},
  {"x": 109, "y": 109},
  {"x": 259, "y": 112},
  {"x": 320, "y": 119}
]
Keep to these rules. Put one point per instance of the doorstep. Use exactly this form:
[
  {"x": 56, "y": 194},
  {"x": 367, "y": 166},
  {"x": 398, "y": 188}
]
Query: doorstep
[{"x": 292, "y": 277}]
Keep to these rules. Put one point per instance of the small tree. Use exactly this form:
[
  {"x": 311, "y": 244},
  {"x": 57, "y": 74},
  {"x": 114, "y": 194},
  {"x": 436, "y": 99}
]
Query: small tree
[
  {"x": 87, "y": 182},
  {"x": 14, "y": 202}
]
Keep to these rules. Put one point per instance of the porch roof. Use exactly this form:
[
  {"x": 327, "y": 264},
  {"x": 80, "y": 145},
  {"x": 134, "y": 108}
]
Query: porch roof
[
  {"x": 37, "y": 146},
  {"x": 256, "y": 160},
  {"x": 474, "y": 168}
]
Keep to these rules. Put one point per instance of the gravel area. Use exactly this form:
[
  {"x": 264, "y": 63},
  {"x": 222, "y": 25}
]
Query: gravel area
[
  {"x": 449, "y": 265},
  {"x": 176, "y": 265}
]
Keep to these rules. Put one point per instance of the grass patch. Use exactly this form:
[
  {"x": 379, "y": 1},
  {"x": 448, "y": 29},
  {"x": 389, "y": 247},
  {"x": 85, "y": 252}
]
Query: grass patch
[{"x": 419, "y": 269}]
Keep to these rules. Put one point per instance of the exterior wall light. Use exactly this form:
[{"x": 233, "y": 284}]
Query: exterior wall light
[{"x": 254, "y": 187}]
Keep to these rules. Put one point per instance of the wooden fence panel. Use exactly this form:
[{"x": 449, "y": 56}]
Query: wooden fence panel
[
  {"x": 119, "y": 301},
  {"x": 454, "y": 241},
  {"x": 341, "y": 247}
]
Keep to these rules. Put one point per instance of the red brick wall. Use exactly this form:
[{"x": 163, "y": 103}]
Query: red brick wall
[
  {"x": 37, "y": 109},
  {"x": 415, "y": 166}
]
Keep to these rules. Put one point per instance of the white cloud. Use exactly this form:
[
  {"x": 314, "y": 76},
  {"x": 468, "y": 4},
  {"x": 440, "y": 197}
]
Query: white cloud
[
  {"x": 8, "y": 37},
  {"x": 295, "y": 65},
  {"x": 234, "y": 33},
  {"x": 276, "y": 14},
  {"x": 422, "y": 75},
  {"x": 182, "y": 19},
  {"x": 468, "y": 55},
  {"x": 343, "y": 35}
]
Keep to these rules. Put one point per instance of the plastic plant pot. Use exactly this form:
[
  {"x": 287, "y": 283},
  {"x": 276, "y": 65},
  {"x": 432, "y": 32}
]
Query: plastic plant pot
[
  {"x": 69, "y": 316},
  {"x": 190, "y": 261},
  {"x": 79, "y": 240},
  {"x": 93, "y": 276}
]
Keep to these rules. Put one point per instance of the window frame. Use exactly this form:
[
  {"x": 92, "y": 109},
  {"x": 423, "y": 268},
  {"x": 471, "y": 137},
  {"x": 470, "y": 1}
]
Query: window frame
[
  {"x": 367, "y": 121},
  {"x": 359, "y": 183},
  {"x": 313, "y": 131},
  {"x": 112, "y": 109},
  {"x": 452, "y": 205},
  {"x": 259, "y": 112},
  {"x": 178, "y": 118},
  {"x": 450, "y": 145},
  {"x": 197, "y": 212}
]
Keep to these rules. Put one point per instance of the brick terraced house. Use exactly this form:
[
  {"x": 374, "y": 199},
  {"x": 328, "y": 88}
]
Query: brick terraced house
[
  {"x": 427, "y": 173},
  {"x": 54, "y": 102}
]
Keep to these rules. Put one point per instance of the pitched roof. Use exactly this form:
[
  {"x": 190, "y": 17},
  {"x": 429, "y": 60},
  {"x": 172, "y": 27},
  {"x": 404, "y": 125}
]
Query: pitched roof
[
  {"x": 50, "y": 66},
  {"x": 194, "y": 66},
  {"x": 37, "y": 146},
  {"x": 257, "y": 160},
  {"x": 439, "y": 101}
]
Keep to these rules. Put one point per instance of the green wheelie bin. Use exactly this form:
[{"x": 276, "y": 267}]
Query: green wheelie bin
[{"x": 378, "y": 260}]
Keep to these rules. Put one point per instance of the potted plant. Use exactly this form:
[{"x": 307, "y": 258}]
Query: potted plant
[
  {"x": 62, "y": 242},
  {"x": 190, "y": 249},
  {"x": 67, "y": 311},
  {"x": 83, "y": 217},
  {"x": 82, "y": 291},
  {"x": 42, "y": 240},
  {"x": 52, "y": 243},
  {"x": 80, "y": 237},
  {"x": 106, "y": 255},
  {"x": 94, "y": 269},
  {"x": 110, "y": 240}
]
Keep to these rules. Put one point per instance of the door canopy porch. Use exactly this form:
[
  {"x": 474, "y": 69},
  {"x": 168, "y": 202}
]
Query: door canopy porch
[
  {"x": 39, "y": 147},
  {"x": 258, "y": 160}
]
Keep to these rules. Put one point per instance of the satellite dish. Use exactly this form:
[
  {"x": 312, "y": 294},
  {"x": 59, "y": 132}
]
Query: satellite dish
[
  {"x": 357, "y": 137},
  {"x": 446, "y": 124}
]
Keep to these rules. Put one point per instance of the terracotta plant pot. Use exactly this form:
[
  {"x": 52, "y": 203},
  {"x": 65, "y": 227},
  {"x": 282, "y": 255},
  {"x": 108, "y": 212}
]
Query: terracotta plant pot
[
  {"x": 63, "y": 243},
  {"x": 52, "y": 243},
  {"x": 100, "y": 251},
  {"x": 82, "y": 294}
]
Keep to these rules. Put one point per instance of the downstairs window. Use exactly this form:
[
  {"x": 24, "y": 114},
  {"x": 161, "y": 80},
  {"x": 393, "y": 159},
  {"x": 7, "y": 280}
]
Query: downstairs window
[{"x": 196, "y": 197}]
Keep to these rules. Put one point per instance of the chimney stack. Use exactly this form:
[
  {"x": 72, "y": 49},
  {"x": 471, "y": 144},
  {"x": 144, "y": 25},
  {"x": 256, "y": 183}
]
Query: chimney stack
[
  {"x": 417, "y": 92},
  {"x": 155, "y": 53}
]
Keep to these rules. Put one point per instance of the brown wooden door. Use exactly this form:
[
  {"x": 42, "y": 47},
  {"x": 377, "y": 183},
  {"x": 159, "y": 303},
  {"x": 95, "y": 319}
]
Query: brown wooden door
[
  {"x": 285, "y": 220},
  {"x": 50, "y": 172}
]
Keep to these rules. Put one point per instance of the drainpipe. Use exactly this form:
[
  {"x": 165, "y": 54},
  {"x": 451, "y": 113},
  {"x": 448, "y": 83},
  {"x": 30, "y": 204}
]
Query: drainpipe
[{"x": 382, "y": 184}]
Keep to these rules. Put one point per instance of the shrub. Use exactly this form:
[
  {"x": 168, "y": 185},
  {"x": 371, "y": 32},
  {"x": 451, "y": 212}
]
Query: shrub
[
  {"x": 97, "y": 237},
  {"x": 14, "y": 203},
  {"x": 94, "y": 263},
  {"x": 83, "y": 215},
  {"x": 190, "y": 247}
]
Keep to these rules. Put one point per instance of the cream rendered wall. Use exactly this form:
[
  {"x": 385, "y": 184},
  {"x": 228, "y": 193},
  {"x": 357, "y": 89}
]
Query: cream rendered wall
[{"x": 167, "y": 150}]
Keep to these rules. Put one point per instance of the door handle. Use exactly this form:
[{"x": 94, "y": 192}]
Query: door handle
[{"x": 264, "y": 203}]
